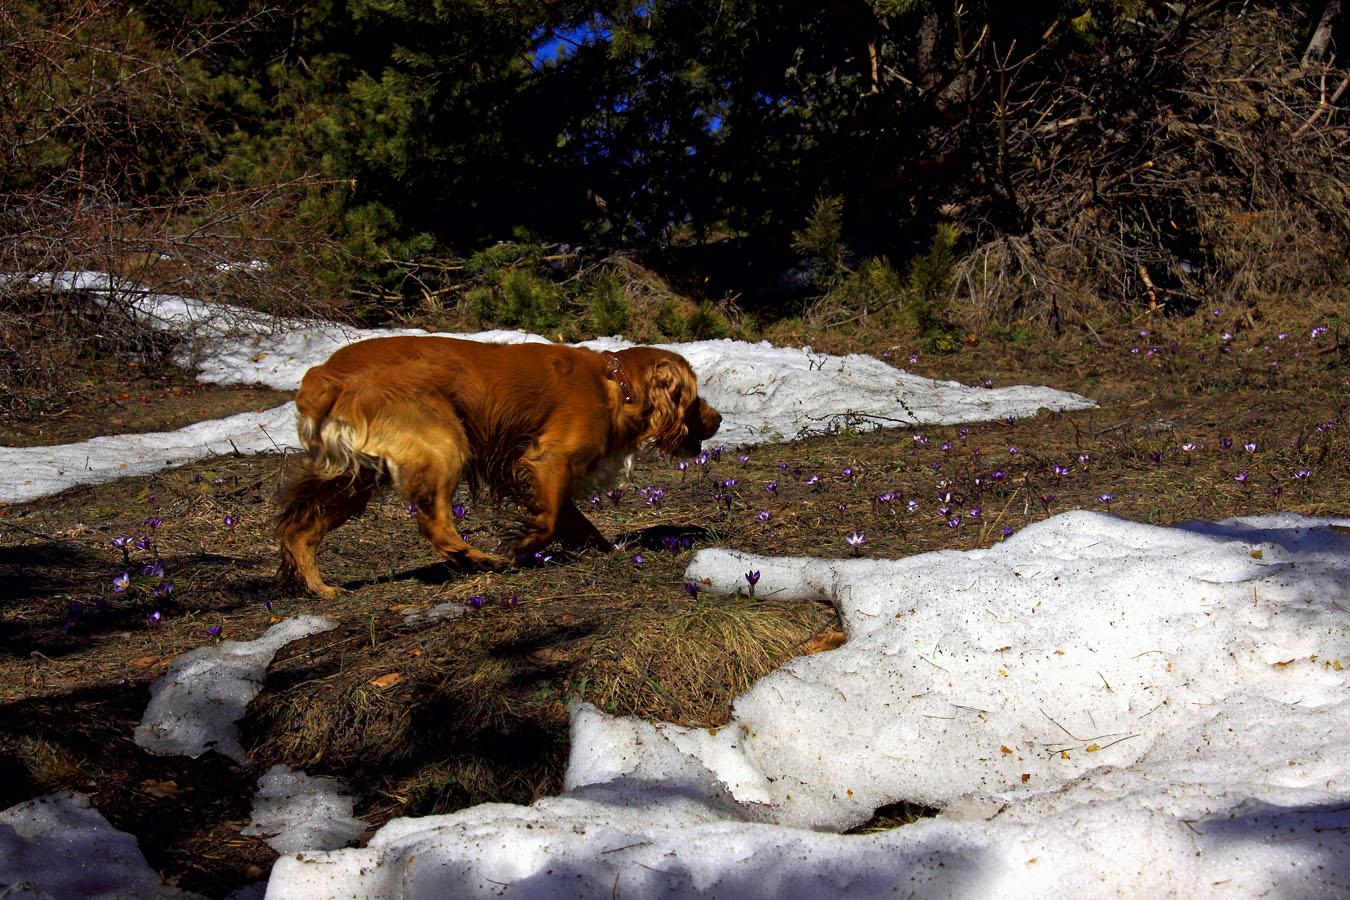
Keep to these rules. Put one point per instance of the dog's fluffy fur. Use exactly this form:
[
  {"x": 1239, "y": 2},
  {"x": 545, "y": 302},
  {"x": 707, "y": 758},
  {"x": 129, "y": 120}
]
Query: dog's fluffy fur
[{"x": 528, "y": 421}]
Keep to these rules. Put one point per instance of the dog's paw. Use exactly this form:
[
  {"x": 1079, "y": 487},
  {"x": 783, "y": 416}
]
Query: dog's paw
[{"x": 291, "y": 585}]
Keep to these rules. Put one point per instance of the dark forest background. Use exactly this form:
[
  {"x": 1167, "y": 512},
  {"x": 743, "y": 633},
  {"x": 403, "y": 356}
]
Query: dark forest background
[{"x": 674, "y": 168}]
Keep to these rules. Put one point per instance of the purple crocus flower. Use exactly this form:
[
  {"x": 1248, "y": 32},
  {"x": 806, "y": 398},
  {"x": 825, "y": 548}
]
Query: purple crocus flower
[{"x": 121, "y": 582}]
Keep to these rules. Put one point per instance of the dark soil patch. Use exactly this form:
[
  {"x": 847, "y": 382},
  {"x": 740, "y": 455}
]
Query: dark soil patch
[{"x": 429, "y": 716}]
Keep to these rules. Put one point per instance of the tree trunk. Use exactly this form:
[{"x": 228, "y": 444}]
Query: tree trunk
[{"x": 1321, "y": 37}]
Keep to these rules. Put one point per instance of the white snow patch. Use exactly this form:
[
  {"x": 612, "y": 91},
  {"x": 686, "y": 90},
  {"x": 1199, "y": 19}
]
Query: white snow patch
[
  {"x": 60, "y": 847},
  {"x": 1100, "y": 707},
  {"x": 434, "y": 614},
  {"x": 194, "y": 705},
  {"x": 763, "y": 392},
  {"x": 293, "y": 811},
  {"x": 33, "y": 472}
]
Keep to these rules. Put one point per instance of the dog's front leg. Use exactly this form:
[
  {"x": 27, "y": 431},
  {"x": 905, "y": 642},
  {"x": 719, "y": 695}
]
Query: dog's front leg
[
  {"x": 577, "y": 532},
  {"x": 553, "y": 515}
]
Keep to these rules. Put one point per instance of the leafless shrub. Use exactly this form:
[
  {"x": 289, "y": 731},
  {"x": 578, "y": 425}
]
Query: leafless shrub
[
  {"x": 1205, "y": 165},
  {"x": 102, "y": 168}
]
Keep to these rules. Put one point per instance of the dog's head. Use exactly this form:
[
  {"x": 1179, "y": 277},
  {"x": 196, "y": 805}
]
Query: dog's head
[{"x": 678, "y": 420}]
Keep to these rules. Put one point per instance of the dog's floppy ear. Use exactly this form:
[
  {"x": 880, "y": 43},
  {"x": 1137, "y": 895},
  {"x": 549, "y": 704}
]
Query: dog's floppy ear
[{"x": 666, "y": 392}]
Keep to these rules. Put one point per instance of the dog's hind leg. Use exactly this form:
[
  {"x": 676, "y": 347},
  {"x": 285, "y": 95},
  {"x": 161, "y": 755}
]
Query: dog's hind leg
[
  {"x": 313, "y": 505},
  {"x": 432, "y": 490}
]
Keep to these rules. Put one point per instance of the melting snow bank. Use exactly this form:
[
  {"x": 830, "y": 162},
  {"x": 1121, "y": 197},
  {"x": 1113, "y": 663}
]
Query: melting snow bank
[
  {"x": 1100, "y": 708},
  {"x": 59, "y": 846},
  {"x": 770, "y": 393},
  {"x": 194, "y": 705},
  {"x": 33, "y": 472},
  {"x": 763, "y": 393}
]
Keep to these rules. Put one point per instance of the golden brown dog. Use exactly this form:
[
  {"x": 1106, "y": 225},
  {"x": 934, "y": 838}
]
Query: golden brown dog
[{"x": 530, "y": 421}]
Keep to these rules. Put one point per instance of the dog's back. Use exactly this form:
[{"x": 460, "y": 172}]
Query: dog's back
[{"x": 378, "y": 403}]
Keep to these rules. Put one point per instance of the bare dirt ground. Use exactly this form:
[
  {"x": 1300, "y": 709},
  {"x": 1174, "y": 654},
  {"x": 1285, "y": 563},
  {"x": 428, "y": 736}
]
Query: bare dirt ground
[{"x": 429, "y": 717}]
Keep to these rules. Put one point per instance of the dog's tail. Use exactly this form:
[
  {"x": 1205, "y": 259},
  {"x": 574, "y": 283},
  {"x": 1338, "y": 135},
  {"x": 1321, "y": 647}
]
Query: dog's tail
[{"x": 329, "y": 438}]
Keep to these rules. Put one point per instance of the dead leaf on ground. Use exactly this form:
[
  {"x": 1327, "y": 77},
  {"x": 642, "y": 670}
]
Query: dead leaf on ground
[
  {"x": 162, "y": 789},
  {"x": 826, "y": 640},
  {"x": 548, "y": 656}
]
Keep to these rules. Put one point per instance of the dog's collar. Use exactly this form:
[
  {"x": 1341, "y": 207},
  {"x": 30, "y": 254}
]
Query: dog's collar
[{"x": 614, "y": 369}]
